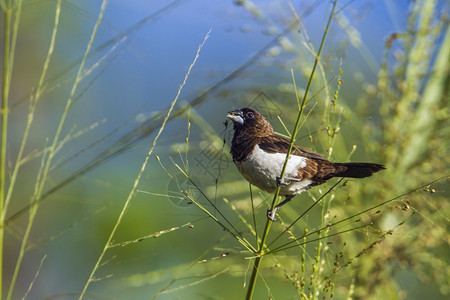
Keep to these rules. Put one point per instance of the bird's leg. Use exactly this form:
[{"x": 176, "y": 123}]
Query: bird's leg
[
  {"x": 285, "y": 181},
  {"x": 271, "y": 213}
]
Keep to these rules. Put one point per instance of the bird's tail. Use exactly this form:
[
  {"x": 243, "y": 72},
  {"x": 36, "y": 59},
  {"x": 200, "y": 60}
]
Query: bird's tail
[{"x": 356, "y": 170}]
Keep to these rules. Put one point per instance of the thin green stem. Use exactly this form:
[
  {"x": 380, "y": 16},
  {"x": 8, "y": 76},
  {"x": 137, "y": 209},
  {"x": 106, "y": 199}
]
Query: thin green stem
[
  {"x": 22, "y": 147},
  {"x": 236, "y": 234},
  {"x": 33, "y": 103},
  {"x": 40, "y": 183},
  {"x": 10, "y": 38},
  {"x": 320, "y": 238},
  {"x": 253, "y": 212},
  {"x": 4, "y": 114},
  {"x": 261, "y": 249},
  {"x": 285, "y": 246},
  {"x": 138, "y": 178},
  {"x": 305, "y": 212}
]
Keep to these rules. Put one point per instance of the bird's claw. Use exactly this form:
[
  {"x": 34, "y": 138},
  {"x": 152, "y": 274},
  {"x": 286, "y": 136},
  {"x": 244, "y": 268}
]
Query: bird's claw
[
  {"x": 282, "y": 181},
  {"x": 285, "y": 181},
  {"x": 271, "y": 214}
]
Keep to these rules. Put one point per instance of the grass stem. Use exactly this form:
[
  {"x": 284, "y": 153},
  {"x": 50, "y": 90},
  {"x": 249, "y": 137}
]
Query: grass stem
[
  {"x": 261, "y": 248},
  {"x": 4, "y": 114},
  {"x": 108, "y": 243},
  {"x": 10, "y": 38},
  {"x": 41, "y": 180}
]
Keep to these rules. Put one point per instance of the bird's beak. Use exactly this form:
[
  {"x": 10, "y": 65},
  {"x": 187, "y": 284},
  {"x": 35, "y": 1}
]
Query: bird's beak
[{"x": 236, "y": 116}]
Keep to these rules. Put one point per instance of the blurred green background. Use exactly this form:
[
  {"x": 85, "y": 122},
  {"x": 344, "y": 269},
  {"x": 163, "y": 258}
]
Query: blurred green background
[{"x": 380, "y": 95}]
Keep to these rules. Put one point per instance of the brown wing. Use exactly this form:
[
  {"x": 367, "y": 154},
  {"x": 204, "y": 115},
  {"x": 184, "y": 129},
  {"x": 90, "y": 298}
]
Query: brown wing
[
  {"x": 276, "y": 143},
  {"x": 318, "y": 169}
]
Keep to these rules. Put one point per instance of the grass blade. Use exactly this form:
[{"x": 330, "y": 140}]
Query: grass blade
[
  {"x": 138, "y": 178},
  {"x": 260, "y": 252}
]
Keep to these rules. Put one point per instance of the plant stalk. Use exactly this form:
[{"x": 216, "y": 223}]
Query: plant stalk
[
  {"x": 4, "y": 114},
  {"x": 261, "y": 249},
  {"x": 46, "y": 161},
  {"x": 109, "y": 242}
]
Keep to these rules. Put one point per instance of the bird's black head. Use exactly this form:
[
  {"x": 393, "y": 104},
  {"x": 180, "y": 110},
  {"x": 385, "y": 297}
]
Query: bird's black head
[{"x": 250, "y": 121}]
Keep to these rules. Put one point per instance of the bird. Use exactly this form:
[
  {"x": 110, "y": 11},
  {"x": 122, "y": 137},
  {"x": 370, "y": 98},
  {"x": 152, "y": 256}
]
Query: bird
[{"x": 259, "y": 154}]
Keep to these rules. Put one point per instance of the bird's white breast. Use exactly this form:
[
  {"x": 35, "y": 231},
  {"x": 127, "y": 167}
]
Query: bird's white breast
[{"x": 261, "y": 169}]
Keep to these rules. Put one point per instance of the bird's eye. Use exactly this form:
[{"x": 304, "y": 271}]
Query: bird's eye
[{"x": 250, "y": 115}]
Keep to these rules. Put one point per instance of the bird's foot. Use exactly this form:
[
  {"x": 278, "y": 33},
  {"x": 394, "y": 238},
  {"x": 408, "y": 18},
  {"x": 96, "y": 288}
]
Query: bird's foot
[
  {"x": 282, "y": 181},
  {"x": 285, "y": 181},
  {"x": 271, "y": 214}
]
